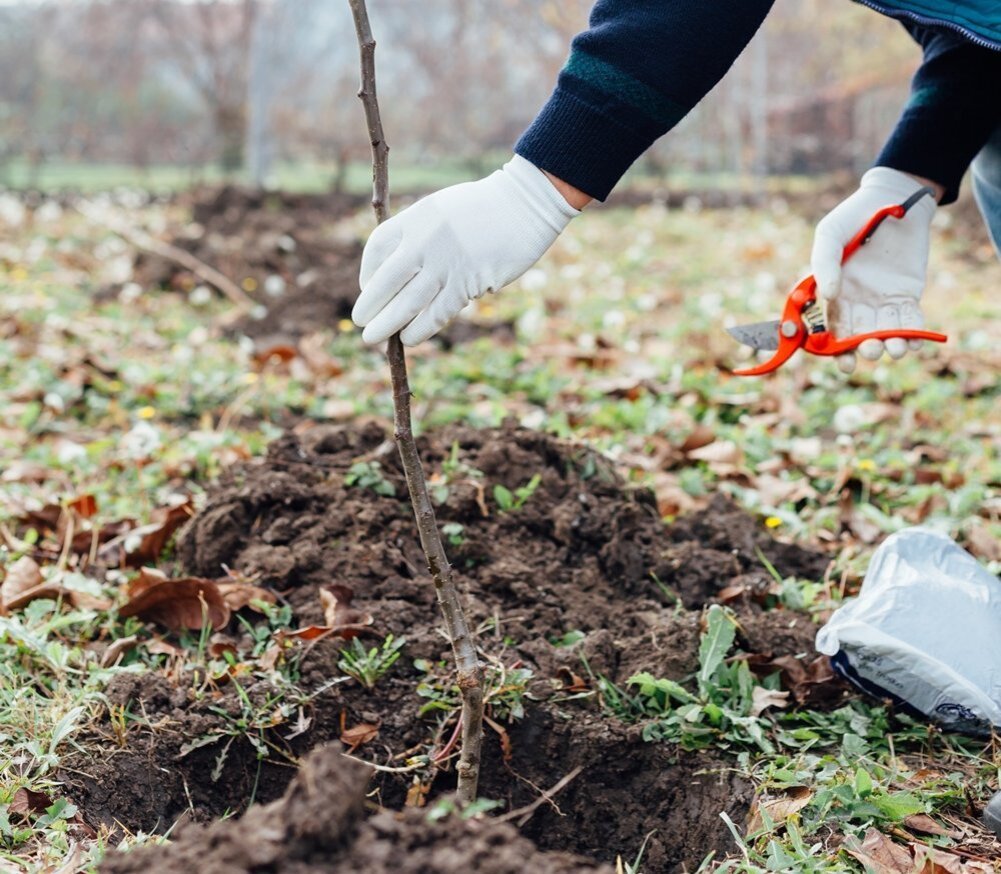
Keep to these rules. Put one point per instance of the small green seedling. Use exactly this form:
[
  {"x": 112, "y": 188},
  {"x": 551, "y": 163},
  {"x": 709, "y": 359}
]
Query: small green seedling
[
  {"x": 370, "y": 666},
  {"x": 369, "y": 475},
  {"x": 508, "y": 501},
  {"x": 454, "y": 532}
]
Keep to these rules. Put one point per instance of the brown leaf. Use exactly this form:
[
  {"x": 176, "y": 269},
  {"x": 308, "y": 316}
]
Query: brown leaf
[
  {"x": 24, "y": 583},
  {"x": 27, "y": 801},
  {"x": 118, "y": 649},
  {"x": 158, "y": 646},
  {"x": 982, "y": 543},
  {"x": 274, "y": 353},
  {"x": 933, "y": 860},
  {"x": 571, "y": 682},
  {"x": 238, "y": 595},
  {"x": 864, "y": 529},
  {"x": 313, "y": 350},
  {"x": 879, "y": 855},
  {"x": 358, "y": 735},
  {"x": 417, "y": 794},
  {"x": 921, "y": 822},
  {"x": 779, "y": 809},
  {"x": 701, "y": 435},
  {"x": 342, "y": 620},
  {"x": 21, "y": 471},
  {"x": 337, "y": 609},
  {"x": 721, "y": 452},
  {"x": 22, "y": 576},
  {"x": 85, "y": 505},
  {"x": 762, "y": 699},
  {"x": 167, "y": 520},
  {"x": 812, "y": 682},
  {"x": 187, "y": 602}
]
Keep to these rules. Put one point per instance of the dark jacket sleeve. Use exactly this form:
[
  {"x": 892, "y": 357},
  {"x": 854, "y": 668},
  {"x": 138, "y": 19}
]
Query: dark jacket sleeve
[
  {"x": 632, "y": 76},
  {"x": 955, "y": 105}
]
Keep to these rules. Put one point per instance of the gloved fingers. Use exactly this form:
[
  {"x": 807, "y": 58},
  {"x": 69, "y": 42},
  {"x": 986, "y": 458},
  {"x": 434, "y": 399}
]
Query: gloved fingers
[
  {"x": 846, "y": 362},
  {"x": 414, "y": 297},
  {"x": 839, "y": 317},
  {"x": 864, "y": 321},
  {"x": 382, "y": 242},
  {"x": 384, "y": 285},
  {"x": 888, "y": 318},
  {"x": 825, "y": 262},
  {"x": 445, "y": 307},
  {"x": 911, "y": 317}
]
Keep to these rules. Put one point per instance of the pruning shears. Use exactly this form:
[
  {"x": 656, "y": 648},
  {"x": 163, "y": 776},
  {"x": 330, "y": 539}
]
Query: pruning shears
[{"x": 803, "y": 324}]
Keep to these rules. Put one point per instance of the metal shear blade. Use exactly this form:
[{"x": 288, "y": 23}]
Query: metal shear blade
[{"x": 760, "y": 335}]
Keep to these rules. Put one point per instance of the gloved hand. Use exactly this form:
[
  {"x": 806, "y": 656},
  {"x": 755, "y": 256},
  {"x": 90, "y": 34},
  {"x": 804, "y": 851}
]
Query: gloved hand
[
  {"x": 421, "y": 267},
  {"x": 880, "y": 286}
]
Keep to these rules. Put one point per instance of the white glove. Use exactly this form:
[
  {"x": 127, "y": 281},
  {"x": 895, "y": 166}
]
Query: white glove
[
  {"x": 880, "y": 286},
  {"x": 421, "y": 267}
]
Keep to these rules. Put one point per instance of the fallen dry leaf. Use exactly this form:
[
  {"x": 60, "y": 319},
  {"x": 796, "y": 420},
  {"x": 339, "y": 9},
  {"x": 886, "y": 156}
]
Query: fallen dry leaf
[
  {"x": 719, "y": 452},
  {"x": 24, "y": 583},
  {"x": 118, "y": 649},
  {"x": 762, "y": 699},
  {"x": 358, "y": 735},
  {"x": 340, "y": 618},
  {"x": 982, "y": 543},
  {"x": 20, "y": 471},
  {"x": 417, "y": 794},
  {"x": 880, "y": 855},
  {"x": 921, "y": 822},
  {"x": 337, "y": 609},
  {"x": 85, "y": 505},
  {"x": 165, "y": 521},
  {"x": 812, "y": 682},
  {"x": 238, "y": 595},
  {"x": 27, "y": 801},
  {"x": 932, "y": 860},
  {"x": 779, "y": 809},
  {"x": 186, "y": 602}
]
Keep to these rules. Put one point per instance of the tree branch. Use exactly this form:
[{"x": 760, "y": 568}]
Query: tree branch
[{"x": 469, "y": 674}]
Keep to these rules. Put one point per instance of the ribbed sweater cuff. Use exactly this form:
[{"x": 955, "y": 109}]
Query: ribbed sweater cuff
[
  {"x": 580, "y": 144},
  {"x": 931, "y": 147}
]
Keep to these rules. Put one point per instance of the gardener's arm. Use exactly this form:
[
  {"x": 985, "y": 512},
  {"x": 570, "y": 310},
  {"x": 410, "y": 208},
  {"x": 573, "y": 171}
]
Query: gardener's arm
[
  {"x": 639, "y": 68},
  {"x": 954, "y": 107}
]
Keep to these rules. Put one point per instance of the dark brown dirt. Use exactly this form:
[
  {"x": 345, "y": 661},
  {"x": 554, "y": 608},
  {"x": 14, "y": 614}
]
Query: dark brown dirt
[
  {"x": 319, "y": 826},
  {"x": 267, "y": 238},
  {"x": 583, "y": 554}
]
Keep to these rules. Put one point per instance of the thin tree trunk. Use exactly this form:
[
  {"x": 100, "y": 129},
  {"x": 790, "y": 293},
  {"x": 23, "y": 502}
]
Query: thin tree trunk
[{"x": 469, "y": 674}]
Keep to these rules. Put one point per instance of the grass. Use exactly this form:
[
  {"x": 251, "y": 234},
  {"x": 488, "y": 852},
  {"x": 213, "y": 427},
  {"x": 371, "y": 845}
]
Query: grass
[{"x": 135, "y": 400}]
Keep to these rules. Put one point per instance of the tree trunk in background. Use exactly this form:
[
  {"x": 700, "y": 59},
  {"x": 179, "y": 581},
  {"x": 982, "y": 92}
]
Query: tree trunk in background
[{"x": 261, "y": 95}]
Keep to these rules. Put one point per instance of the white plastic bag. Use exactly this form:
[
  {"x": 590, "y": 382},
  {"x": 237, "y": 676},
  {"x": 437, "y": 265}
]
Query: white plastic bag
[{"x": 925, "y": 630}]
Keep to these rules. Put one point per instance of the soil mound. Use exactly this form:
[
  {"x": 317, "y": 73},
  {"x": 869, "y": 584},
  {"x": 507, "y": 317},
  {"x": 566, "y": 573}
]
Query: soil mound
[
  {"x": 318, "y": 825},
  {"x": 569, "y": 573}
]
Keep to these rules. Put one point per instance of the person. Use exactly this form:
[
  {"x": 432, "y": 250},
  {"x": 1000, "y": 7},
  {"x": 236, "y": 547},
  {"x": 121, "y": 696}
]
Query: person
[{"x": 633, "y": 75}]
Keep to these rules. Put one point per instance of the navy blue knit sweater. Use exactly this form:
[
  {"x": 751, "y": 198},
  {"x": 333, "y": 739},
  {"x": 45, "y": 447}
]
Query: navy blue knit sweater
[{"x": 643, "y": 64}]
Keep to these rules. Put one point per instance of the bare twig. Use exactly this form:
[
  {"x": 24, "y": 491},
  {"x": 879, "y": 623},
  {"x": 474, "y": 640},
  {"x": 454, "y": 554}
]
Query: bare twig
[
  {"x": 525, "y": 813},
  {"x": 469, "y": 674},
  {"x": 142, "y": 240}
]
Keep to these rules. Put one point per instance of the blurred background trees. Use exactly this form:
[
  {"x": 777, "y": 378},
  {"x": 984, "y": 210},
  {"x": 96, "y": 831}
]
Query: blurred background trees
[{"x": 244, "y": 87}]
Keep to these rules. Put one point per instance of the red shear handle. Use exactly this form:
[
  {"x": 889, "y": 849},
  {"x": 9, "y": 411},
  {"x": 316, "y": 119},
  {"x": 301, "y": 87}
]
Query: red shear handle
[
  {"x": 825, "y": 343},
  {"x": 897, "y": 211}
]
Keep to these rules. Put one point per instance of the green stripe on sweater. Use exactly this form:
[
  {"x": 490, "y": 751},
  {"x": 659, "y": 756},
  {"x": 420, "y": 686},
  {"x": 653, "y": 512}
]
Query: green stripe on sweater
[{"x": 623, "y": 87}]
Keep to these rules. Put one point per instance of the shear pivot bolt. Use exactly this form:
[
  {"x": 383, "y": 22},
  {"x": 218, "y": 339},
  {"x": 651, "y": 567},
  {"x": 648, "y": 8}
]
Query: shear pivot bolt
[{"x": 788, "y": 329}]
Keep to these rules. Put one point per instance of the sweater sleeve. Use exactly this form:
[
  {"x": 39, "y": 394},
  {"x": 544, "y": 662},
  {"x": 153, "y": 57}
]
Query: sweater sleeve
[
  {"x": 955, "y": 105},
  {"x": 633, "y": 75}
]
